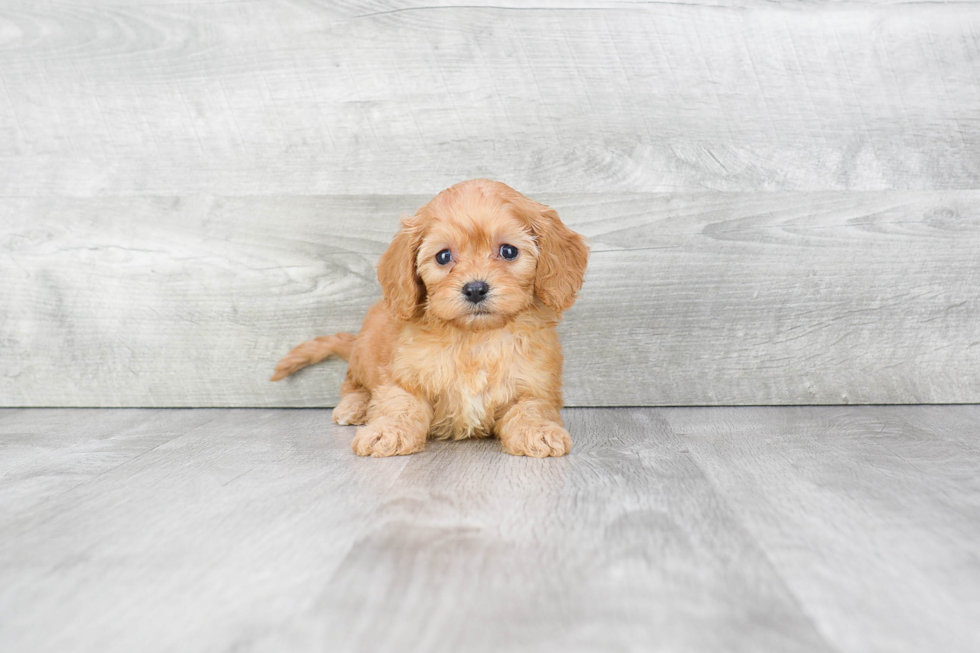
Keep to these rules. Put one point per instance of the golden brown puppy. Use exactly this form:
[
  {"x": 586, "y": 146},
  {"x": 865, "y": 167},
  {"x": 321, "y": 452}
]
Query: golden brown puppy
[{"x": 464, "y": 343}]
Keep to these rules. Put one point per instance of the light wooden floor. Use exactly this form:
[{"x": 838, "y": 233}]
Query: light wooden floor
[{"x": 709, "y": 529}]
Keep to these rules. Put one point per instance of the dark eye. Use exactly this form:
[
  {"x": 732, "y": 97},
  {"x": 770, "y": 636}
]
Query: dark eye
[
  {"x": 443, "y": 257},
  {"x": 509, "y": 252}
]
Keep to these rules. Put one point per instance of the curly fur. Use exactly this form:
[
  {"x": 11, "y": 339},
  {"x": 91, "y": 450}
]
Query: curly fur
[{"x": 428, "y": 363}]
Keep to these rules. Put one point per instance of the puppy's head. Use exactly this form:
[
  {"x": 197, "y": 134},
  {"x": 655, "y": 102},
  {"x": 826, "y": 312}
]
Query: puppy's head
[{"x": 478, "y": 254}]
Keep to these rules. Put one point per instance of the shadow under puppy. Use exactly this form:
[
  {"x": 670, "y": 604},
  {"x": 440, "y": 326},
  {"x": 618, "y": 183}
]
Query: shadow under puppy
[{"x": 463, "y": 344}]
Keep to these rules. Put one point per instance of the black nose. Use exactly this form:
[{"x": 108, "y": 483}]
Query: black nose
[{"x": 476, "y": 291}]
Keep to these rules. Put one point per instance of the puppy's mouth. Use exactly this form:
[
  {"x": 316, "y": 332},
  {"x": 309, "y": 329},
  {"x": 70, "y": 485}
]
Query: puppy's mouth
[
  {"x": 481, "y": 317},
  {"x": 481, "y": 309}
]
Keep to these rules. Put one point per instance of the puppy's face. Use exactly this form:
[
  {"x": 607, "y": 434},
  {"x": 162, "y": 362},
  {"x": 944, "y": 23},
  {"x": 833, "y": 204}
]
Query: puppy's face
[
  {"x": 477, "y": 262},
  {"x": 478, "y": 254}
]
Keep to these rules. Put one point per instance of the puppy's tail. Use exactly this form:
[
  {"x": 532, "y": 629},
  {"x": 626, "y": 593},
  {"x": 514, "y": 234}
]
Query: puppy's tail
[{"x": 314, "y": 351}]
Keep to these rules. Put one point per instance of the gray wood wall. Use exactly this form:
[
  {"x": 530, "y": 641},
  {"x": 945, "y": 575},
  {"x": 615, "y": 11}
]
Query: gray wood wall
[{"x": 783, "y": 198}]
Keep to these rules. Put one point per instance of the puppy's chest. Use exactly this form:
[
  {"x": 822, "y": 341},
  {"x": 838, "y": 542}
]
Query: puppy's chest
[{"x": 467, "y": 382}]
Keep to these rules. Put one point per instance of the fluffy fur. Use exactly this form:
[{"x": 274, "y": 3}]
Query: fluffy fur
[{"x": 427, "y": 362}]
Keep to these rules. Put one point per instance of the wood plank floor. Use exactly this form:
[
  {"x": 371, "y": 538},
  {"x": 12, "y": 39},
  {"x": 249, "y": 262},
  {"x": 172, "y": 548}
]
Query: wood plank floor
[{"x": 682, "y": 529}]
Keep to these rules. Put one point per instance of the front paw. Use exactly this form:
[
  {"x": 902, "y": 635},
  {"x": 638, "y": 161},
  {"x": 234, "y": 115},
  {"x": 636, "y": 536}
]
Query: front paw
[
  {"x": 538, "y": 440},
  {"x": 351, "y": 409},
  {"x": 383, "y": 438}
]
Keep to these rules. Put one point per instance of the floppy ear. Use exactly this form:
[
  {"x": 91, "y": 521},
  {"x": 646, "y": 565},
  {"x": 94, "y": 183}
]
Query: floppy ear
[
  {"x": 403, "y": 289},
  {"x": 562, "y": 257}
]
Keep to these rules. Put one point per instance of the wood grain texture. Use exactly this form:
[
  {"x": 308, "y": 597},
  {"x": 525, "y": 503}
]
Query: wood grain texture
[
  {"x": 46, "y": 453},
  {"x": 859, "y": 510},
  {"x": 190, "y": 188},
  {"x": 777, "y": 298},
  {"x": 391, "y": 97},
  {"x": 837, "y": 529}
]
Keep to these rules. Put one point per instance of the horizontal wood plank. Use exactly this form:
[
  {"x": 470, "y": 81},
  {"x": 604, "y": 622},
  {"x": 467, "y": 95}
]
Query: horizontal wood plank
[
  {"x": 693, "y": 299},
  {"x": 379, "y": 96}
]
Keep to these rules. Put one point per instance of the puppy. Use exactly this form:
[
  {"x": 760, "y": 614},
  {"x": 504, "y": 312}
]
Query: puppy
[{"x": 463, "y": 344}]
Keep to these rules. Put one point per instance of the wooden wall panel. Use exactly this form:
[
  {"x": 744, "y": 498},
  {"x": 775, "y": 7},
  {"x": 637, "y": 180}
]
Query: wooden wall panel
[
  {"x": 364, "y": 97},
  {"x": 782, "y": 196},
  {"x": 737, "y": 298}
]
